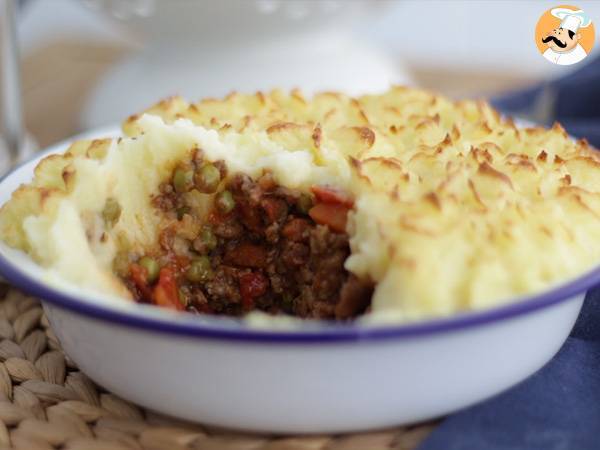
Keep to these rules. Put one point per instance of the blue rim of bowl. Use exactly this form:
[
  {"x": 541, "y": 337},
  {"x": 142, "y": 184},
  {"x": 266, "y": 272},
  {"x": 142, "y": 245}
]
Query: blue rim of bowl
[{"x": 329, "y": 333}]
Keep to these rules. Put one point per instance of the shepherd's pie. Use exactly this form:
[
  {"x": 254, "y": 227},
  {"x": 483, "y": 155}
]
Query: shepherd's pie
[{"x": 399, "y": 206}]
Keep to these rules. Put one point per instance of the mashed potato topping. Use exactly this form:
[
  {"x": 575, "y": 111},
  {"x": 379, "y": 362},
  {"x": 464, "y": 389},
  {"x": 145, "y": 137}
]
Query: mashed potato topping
[{"x": 455, "y": 207}]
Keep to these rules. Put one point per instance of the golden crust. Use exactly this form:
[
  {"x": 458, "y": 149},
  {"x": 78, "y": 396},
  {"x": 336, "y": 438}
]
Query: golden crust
[{"x": 456, "y": 206}]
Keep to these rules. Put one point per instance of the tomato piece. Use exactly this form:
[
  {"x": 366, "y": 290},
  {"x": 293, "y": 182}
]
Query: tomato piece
[
  {"x": 139, "y": 276},
  {"x": 327, "y": 194},
  {"x": 294, "y": 229},
  {"x": 333, "y": 215},
  {"x": 247, "y": 254},
  {"x": 274, "y": 207},
  {"x": 166, "y": 293},
  {"x": 252, "y": 285},
  {"x": 251, "y": 217},
  {"x": 213, "y": 218},
  {"x": 180, "y": 262},
  {"x": 216, "y": 218}
]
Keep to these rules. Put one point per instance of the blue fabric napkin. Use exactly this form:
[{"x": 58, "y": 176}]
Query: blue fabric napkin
[
  {"x": 558, "y": 408},
  {"x": 573, "y": 100}
]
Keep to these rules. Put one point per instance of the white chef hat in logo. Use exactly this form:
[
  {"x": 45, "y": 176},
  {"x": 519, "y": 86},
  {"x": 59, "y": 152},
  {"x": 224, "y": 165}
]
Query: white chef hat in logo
[{"x": 571, "y": 20}]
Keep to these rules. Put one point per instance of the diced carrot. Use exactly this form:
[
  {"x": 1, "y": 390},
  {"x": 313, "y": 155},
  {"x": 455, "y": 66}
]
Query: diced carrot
[
  {"x": 327, "y": 194},
  {"x": 331, "y": 214},
  {"x": 139, "y": 276},
  {"x": 247, "y": 254},
  {"x": 166, "y": 293},
  {"x": 294, "y": 229}
]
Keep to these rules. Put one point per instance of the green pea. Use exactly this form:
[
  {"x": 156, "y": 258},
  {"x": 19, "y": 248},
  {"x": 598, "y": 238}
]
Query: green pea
[
  {"x": 111, "y": 211},
  {"x": 225, "y": 202},
  {"x": 199, "y": 270},
  {"x": 304, "y": 203},
  {"x": 182, "y": 179},
  {"x": 208, "y": 238},
  {"x": 207, "y": 178},
  {"x": 152, "y": 268}
]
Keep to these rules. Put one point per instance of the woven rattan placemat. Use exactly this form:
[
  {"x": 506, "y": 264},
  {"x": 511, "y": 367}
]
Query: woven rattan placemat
[{"x": 47, "y": 403}]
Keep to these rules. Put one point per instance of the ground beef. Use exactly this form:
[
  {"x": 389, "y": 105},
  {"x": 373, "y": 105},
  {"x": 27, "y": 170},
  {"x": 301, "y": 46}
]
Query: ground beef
[
  {"x": 230, "y": 229},
  {"x": 269, "y": 255}
]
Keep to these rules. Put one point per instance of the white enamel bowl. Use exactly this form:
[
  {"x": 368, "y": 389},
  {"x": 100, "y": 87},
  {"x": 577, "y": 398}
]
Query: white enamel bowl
[{"x": 321, "y": 378}]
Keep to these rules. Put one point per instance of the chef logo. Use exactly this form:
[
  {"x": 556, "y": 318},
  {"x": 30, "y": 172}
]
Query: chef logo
[{"x": 565, "y": 35}]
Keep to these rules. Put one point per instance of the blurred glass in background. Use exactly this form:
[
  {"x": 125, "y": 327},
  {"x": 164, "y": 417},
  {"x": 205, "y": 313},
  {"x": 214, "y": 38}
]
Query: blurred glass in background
[{"x": 93, "y": 62}]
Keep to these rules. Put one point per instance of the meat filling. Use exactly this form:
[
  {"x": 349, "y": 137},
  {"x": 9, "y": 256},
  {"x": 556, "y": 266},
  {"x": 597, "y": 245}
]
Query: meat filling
[{"x": 263, "y": 247}]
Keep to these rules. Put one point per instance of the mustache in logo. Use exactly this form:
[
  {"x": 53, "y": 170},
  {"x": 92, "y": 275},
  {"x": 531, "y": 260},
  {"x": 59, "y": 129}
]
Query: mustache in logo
[{"x": 555, "y": 40}]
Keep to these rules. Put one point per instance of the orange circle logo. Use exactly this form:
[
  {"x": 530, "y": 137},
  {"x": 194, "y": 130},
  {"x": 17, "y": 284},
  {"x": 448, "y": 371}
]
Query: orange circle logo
[{"x": 565, "y": 35}]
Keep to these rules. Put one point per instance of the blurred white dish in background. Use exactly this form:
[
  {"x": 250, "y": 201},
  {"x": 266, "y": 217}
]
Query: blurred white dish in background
[{"x": 206, "y": 48}]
